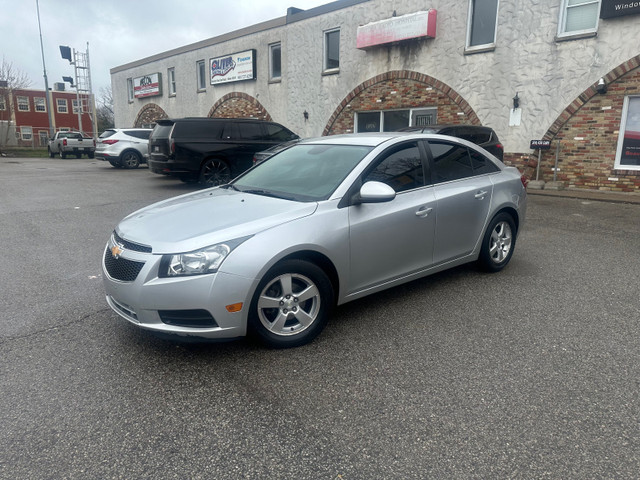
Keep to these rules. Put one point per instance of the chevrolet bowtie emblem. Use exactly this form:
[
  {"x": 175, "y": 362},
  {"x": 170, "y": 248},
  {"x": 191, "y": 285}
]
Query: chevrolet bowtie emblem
[{"x": 116, "y": 251}]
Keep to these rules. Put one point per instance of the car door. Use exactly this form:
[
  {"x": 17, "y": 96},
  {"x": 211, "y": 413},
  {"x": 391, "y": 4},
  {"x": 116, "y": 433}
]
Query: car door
[
  {"x": 463, "y": 197},
  {"x": 392, "y": 239}
]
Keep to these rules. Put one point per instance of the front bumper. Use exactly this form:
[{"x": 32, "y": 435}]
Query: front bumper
[{"x": 154, "y": 303}]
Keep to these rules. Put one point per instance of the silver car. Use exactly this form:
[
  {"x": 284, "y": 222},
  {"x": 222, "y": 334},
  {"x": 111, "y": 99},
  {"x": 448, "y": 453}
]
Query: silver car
[
  {"x": 321, "y": 223},
  {"x": 124, "y": 147}
]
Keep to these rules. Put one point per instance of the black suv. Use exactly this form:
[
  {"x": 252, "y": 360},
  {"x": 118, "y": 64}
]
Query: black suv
[
  {"x": 210, "y": 150},
  {"x": 483, "y": 136}
]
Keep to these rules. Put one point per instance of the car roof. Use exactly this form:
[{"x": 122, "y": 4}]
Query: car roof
[
  {"x": 437, "y": 127},
  {"x": 363, "y": 139}
]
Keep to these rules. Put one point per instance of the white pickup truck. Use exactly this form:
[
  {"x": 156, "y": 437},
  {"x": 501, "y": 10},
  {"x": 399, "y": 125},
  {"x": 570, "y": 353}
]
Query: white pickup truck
[{"x": 71, "y": 143}]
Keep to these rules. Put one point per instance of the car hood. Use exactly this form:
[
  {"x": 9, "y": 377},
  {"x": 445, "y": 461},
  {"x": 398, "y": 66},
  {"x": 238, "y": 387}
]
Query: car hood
[{"x": 200, "y": 219}]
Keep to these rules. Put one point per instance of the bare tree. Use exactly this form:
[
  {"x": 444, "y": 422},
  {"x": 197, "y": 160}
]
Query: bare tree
[
  {"x": 104, "y": 110},
  {"x": 11, "y": 79}
]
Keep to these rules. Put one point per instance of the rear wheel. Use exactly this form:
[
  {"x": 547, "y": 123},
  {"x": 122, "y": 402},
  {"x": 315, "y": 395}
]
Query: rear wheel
[
  {"x": 215, "y": 172},
  {"x": 291, "y": 305},
  {"x": 130, "y": 159},
  {"x": 498, "y": 243}
]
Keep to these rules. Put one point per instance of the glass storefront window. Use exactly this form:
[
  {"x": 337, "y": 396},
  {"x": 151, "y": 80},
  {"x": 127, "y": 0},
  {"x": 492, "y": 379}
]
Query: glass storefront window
[{"x": 628, "y": 153}]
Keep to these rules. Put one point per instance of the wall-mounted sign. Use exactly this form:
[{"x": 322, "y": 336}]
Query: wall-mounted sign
[
  {"x": 618, "y": 8},
  {"x": 397, "y": 29},
  {"x": 540, "y": 144},
  {"x": 147, "y": 86},
  {"x": 233, "y": 68}
]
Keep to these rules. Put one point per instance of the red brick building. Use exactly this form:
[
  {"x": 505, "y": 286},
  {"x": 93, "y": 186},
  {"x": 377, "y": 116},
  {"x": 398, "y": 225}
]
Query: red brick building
[{"x": 23, "y": 112}]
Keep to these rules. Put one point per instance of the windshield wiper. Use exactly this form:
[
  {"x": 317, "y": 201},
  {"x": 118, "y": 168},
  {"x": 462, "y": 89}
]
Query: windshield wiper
[
  {"x": 231, "y": 186},
  {"x": 267, "y": 193}
]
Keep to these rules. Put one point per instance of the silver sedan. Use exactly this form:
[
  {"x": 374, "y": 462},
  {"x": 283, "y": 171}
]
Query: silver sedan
[{"x": 322, "y": 223}]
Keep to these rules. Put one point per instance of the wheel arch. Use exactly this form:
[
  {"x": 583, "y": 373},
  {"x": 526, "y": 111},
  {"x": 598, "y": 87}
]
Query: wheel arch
[
  {"x": 512, "y": 212},
  {"x": 319, "y": 260}
]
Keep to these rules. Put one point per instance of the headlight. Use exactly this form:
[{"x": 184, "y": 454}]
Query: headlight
[{"x": 206, "y": 260}]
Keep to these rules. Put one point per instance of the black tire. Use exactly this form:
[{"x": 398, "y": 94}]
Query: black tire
[
  {"x": 115, "y": 164},
  {"x": 498, "y": 243},
  {"x": 214, "y": 172},
  {"x": 51, "y": 154},
  {"x": 291, "y": 305},
  {"x": 130, "y": 159}
]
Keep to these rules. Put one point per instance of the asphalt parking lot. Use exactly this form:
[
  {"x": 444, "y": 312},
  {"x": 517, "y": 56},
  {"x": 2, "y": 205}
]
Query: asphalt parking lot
[{"x": 533, "y": 372}]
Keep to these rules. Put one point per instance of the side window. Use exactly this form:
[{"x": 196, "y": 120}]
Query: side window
[
  {"x": 201, "y": 74},
  {"x": 483, "y": 16},
  {"x": 401, "y": 169},
  {"x": 450, "y": 162},
  {"x": 278, "y": 133},
  {"x": 275, "y": 62},
  {"x": 251, "y": 131},
  {"x": 230, "y": 131},
  {"x": 171, "y": 80},
  {"x": 578, "y": 17},
  {"x": 481, "y": 164}
]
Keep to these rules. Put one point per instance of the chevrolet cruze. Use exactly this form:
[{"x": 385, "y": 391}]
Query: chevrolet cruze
[{"x": 317, "y": 225}]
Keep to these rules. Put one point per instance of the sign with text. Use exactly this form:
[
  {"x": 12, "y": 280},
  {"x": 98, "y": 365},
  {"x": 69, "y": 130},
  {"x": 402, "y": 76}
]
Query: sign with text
[
  {"x": 540, "y": 144},
  {"x": 396, "y": 29},
  {"x": 618, "y": 8},
  {"x": 147, "y": 86},
  {"x": 233, "y": 68}
]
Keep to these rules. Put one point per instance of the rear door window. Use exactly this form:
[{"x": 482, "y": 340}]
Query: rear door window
[
  {"x": 450, "y": 162},
  {"x": 251, "y": 131},
  {"x": 205, "y": 130}
]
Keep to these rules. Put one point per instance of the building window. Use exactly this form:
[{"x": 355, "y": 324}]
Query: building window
[
  {"x": 76, "y": 109},
  {"x": 275, "y": 62},
  {"x": 27, "y": 133},
  {"x": 392, "y": 120},
  {"x": 171, "y": 81},
  {"x": 43, "y": 137},
  {"x": 483, "y": 21},
  {"x": 40, "y": 104},
  {"x": 628, "y": 152},
  {"x": 332, "y": 51},
  {"x": 201, "y": 76},
  {"x": 578, "y": 17},
  {"x": 3, "y": 104},
  {"x": 23, "y": 104},
  {"x": 61, "y": 104},
  {"x": 130, "y": 90}
]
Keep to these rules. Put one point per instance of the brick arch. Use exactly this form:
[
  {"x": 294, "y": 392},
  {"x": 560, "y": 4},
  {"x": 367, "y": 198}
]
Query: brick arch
[
  {"x": 401, "y": 89},
  {"x": 148, "y": 114},
  {"x": 239, "y": 105},
  {"x": 586, "y": 132}
]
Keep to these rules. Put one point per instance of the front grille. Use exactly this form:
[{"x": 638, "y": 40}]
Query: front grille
[
  {"x": 187, "y": 318},
  {"x": 136, "y": 247},
  {"x": 121, "y": 268}
]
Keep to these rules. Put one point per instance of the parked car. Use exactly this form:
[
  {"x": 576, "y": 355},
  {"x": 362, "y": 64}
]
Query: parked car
[
  {"x": 211, "y": 150},
  {"x": 124, "y": 147},
  {"x": 259, "y": 157},
  {"x": 321, "y": 223},
  {"x": 483, "y": 136},
  {"x": 71, "y": 143}
]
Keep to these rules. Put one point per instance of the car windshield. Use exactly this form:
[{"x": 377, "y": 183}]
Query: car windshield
[{"x": 303, "y": 172}]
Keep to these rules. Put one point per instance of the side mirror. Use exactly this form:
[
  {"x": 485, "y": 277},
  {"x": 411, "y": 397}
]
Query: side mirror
[{"x": 376, "y": 192}]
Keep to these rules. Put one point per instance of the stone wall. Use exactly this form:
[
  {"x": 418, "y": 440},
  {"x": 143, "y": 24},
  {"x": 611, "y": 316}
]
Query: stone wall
[
  {"x": 239, "y": 105},
  {"x": 149, "y": 114}
]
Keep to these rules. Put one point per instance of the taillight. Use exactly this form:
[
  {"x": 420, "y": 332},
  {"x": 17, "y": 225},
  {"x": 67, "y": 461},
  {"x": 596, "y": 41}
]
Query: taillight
[
  {"x": 524, "y": 180},
  {"x": 109, "y": 142},
  {"x": 64, "y": 142},
  {"x": 499, "y": 146}
]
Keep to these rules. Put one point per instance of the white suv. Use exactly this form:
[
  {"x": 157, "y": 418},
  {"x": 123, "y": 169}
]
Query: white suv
[{"x": 123, "y": 147}]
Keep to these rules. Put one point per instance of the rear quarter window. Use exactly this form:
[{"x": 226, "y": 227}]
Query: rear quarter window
[
  {"x": 107, "y": 133},
  {"x": 481, "y": 164},
  {"x": 251, "y": 131}
]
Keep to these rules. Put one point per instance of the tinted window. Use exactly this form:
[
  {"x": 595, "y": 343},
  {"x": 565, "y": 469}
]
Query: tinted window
[
  {"x": 230, "y": 131},
  {"x": 251, "y": 131},
  {"x": 475, "y": 135},
  {"x": 278, "y": 133},
  {"x": 205, "y": 130},
  {"x": 450, "y": 162},
  {"x": 481, "y": 164},
  {"x": 162, "y": 130},
  {"x": 401, "y": 169},
  {"x": 143, "y": 134}
]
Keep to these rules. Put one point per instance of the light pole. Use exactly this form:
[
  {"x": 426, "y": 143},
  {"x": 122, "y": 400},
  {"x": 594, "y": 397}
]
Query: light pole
[
  {"x": 46, "y": 82},
  {"x": 82, "y": 74}
]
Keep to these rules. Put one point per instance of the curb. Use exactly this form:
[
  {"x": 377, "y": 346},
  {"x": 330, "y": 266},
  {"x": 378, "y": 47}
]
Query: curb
[{"x": 600, "y": 196}]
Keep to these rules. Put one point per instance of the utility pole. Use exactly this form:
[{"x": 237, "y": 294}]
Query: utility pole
[{"x": 46, "y": 82}]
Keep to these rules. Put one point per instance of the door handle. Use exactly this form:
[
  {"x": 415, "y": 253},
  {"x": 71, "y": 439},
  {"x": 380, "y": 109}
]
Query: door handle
[
  {"x": 424, "y": 212},
  {"x": 481, "y": 194}
]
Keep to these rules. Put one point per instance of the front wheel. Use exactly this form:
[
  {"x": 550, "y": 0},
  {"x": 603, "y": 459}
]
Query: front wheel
[
  {"x": 498, "y": 243},
  {"x": 215, "y": 172},
  {"x": 291, "y": 305}
]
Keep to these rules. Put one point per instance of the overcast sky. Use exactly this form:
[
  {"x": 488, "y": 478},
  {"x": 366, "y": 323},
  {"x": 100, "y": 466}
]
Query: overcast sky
[{"x": 119, "y": 31}]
